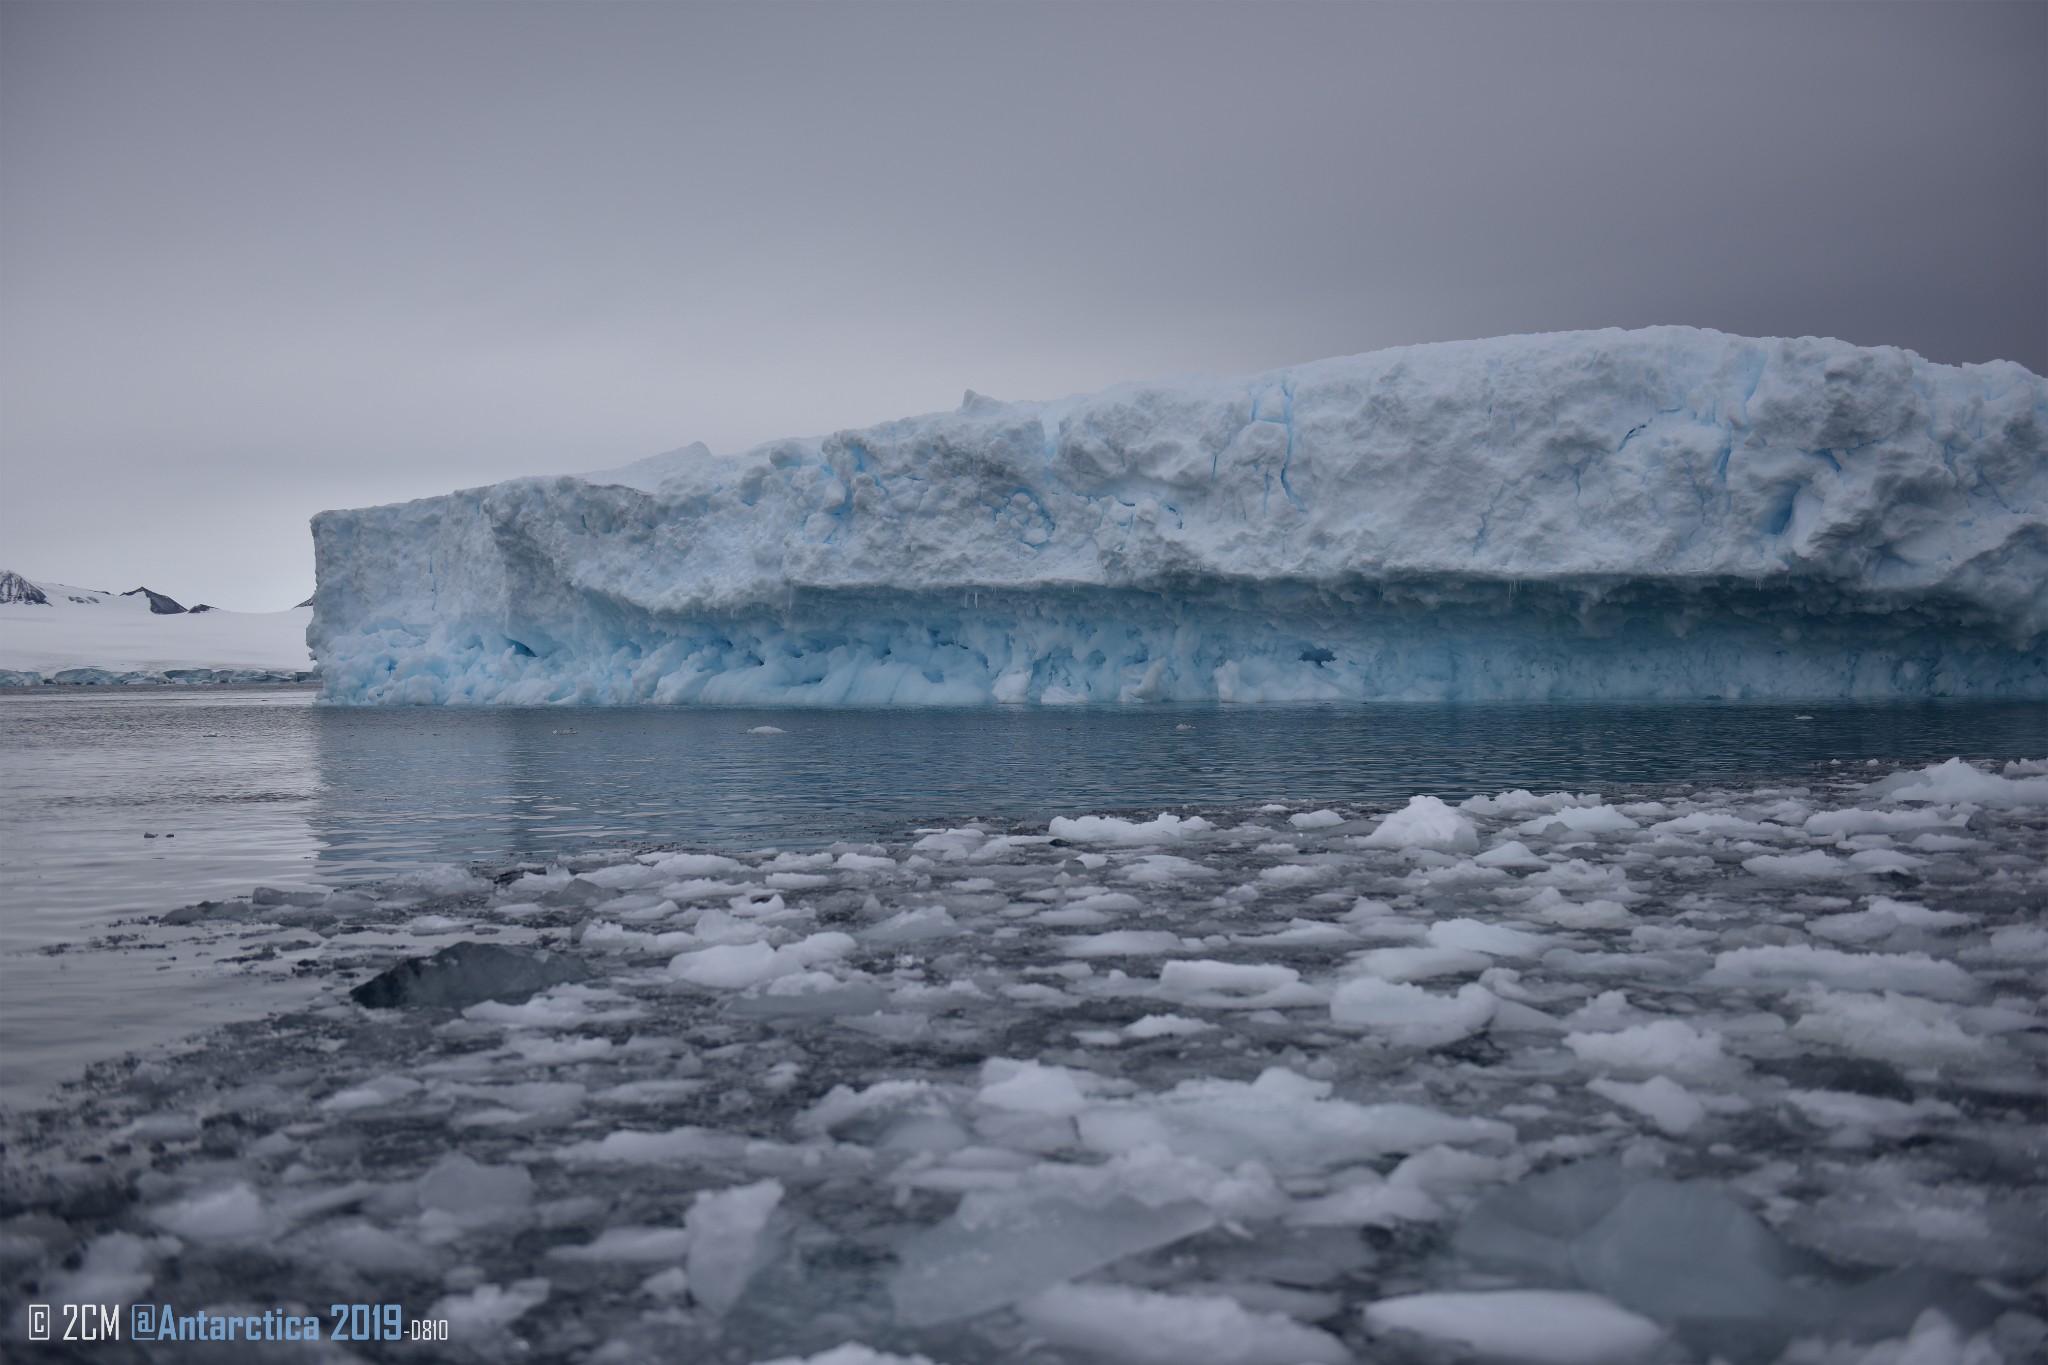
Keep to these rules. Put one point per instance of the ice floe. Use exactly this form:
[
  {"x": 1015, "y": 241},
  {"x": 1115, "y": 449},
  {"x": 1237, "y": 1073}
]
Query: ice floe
[{"x": 1540, "y": 1078}]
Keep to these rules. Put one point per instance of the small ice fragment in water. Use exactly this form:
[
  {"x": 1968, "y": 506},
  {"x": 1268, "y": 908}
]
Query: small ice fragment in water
[
  {"x": 1662, "y": 1100},
  {"x": 487, "y": 1309},
  {"x": 729, "y": 1242},
  {"x": 1409, "y": 1016},
  {"x": 1664, "y": 1045},
  {"x": 1137, "y": 1325},
  {"x": 767, "y": 730},
  {"x": 1538, "y": 1326},
  {"x": 995, "y": 1251},
  {"x": 1426, "y": 822}
]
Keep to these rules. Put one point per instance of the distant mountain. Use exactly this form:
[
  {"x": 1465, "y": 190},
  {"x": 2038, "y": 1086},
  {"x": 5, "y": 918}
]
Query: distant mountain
[
  {"x": 62, "y": 633},
  {"x": 158, "y": 603},
  {"x": 15, "y": 588}
]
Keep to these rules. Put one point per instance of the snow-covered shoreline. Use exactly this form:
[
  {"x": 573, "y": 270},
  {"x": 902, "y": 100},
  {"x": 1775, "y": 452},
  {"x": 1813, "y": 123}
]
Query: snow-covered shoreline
[
  {"x": 1747, "y": 1073},
  {"x": 91, "y": 637}
]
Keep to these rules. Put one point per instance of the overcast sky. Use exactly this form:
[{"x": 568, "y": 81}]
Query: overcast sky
[{"x": 258, "y": 260}]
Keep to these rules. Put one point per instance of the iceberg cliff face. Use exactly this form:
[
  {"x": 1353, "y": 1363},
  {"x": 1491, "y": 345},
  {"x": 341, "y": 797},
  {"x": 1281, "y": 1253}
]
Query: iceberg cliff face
[{"x": 1660, "y": 513}]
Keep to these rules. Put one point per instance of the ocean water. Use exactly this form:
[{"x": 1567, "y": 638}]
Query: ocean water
[
  {"x": 118, "y": 806},
  {"x": 262, "y": 786},
  {"x": 754, "y": 1034}
]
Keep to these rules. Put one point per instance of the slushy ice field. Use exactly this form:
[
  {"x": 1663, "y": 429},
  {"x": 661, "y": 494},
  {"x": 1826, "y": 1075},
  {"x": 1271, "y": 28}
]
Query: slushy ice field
[{"x": 1675, "y": 1073}]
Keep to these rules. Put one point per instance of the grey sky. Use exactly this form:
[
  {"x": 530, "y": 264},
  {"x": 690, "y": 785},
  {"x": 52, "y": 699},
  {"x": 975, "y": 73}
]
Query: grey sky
[{"x": 258, "y": 260}]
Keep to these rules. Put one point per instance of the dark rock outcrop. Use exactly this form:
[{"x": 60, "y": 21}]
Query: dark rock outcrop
[
  {"x": 158, "y": 603},
  {"x": 15, "y": 588}
]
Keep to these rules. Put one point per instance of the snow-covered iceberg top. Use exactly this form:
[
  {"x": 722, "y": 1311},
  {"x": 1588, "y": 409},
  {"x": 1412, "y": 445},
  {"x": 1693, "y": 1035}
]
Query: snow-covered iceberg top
[{"x": 1667, "y": 512}]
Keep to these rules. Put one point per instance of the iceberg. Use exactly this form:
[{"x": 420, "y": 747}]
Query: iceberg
[{"x": 1668, "y": 512}]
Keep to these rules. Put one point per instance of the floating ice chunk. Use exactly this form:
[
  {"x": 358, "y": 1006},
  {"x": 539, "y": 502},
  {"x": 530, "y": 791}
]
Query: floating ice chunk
[
  {"x": 809, "y": 995},
  {"x": 1856, "y": 1119},
  {"x": 1536, "y": 1326},
  {"x": 1164, "y": 869},
  {"x": 1885, "y": 862},
  {"x": 1367, "y": 1201},
  {"x": 1030, "y": 1087},
  {"x": 1581, "y": 877},
  {"x": 1812, "y": 865},
  {"x": 116, "y": 1267},
  {"x": 1891, "y": 1027},
  {"x": 1605, "y": 1011},
  {"x": 1712, "y": 823},
  {"x": 732, "y": 966},
  {"x": 629, "y": 1146},
  {"x": 913, "y": 926},
  {"x": 1884, "y": 917},
  {"x": 1107, "y": 829},
  {"x": 767, "y": 730},
  {"x": 372, "y": 1094},
  {"x": 1522, "y": 801},
  {"x": 1137, "y": 1325},
  {"x": 1550, "y": 905},
  {"x": 1686, "y": 1251},
  {"x": 1420, "y": 964},
  {"x": 1288, "y": 1122},
  {"x": 232, "y": 1213},
  {"x": 1785, "y": 966},
  {"x": 1496, "y": 940},
  {"x": 1662, "y": 1100},
  {"x": 1956, "y": 781},
  {"x": 1409, "y": 1016},
  {"x": 561, "y": 1007},
  {"x": 1123, "y": 943},
  {"x": 657, "y": 1091},
  {"x": 1664, "y": 1045},
  {"x": 629, "y": 1246},
  {"x": 1579, "y": 820},
  {"x": 850, "y": 1353},
  {"x": 729, "y": 1241},
  {"x": 1166, "y": 1026},
  {"x": 677, "y": 866},
  {"x": 2020, "y": 943},
  {"x": 1235, "y": 985},
  {"x": 439, "y": 881},
  {"x": 1510, "y": 856},
  {"x": 1425, "y": 822},
  {"x": 729, "y": 966},
  {"x": 1315, "y": 819},
  {"x": 994, "y": 1251},
  {"x": 466, "y": 974},
  {"x": 1846, "y": 822},
  {"x": 1295, "y": 874},
  {"x": 488, "y": 1309},
  {"x": 473, "y": 1191},
  {"x": 1528, "y": 1228}
]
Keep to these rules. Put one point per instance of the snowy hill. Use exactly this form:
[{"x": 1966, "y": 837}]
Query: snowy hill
[
  {"x": 48, "y": 629},
  {"x": 1661, "y": 513}
]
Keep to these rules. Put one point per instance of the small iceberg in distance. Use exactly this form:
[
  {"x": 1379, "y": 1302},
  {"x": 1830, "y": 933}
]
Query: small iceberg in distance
[{"x": 1668, "y": 512}]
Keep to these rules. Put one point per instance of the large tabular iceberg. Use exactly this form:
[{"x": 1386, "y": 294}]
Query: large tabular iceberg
[{"x": 1659, "y": 513}]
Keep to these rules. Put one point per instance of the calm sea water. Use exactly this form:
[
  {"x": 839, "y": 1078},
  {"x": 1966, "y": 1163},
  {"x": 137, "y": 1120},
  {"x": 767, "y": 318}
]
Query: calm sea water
[{"x": 262, "y": 787}]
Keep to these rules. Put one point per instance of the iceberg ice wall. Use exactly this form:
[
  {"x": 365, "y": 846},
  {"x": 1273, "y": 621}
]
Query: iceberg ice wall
[{"x": 1659, "y": 513}]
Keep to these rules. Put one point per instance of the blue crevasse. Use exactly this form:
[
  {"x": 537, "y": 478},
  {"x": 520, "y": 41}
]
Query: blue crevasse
[{"x": 1659, "y": 513}]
